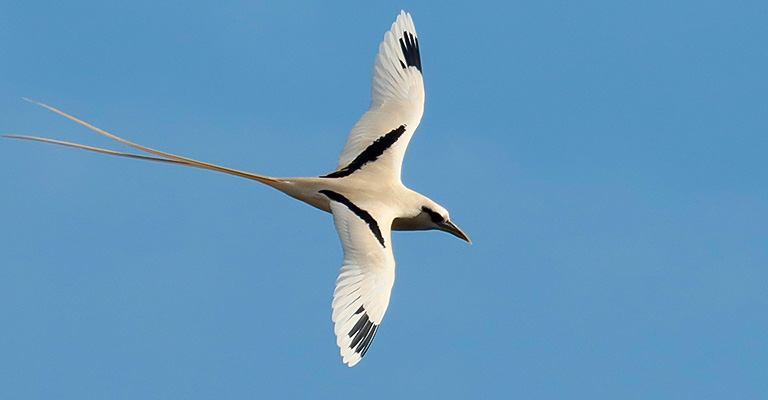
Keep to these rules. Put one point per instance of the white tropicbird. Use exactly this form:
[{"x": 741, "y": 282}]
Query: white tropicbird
[{"x": 364, "y": 194}]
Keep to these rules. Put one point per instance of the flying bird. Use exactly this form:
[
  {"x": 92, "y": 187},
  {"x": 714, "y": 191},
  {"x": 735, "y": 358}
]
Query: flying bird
[{"x": 365, "y": 193}]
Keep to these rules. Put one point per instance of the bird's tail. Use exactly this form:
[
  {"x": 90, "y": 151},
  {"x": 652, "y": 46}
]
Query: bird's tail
[{"x": 161, "y": 156}]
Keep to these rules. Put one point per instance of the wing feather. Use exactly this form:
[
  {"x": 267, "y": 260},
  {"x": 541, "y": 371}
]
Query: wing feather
[
  {"x": 364, "y": 284},
  {"x": 397, "y": 99}
]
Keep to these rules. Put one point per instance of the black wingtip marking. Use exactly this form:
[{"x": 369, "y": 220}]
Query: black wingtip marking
[
  {"x": 370, "y": 154},
  {"x": 358, "y": 326},
  {"x": 359, "y": 341},
  {"x": 409, "y": 44},
  {"x": 369, "y": 340},
  {"x": 362, "y": 334},
  {"x": 364, "y": 215}
]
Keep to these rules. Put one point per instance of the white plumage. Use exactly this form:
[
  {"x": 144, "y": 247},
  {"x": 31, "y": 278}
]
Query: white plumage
[
  {"x": 364, "y": 283},
  {"x": 364, "y": 194},
  {"x": 397, "y": 98}
]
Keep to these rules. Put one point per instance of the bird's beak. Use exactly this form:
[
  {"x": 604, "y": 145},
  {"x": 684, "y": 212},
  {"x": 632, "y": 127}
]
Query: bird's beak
[{"x": 454, "y": 230}]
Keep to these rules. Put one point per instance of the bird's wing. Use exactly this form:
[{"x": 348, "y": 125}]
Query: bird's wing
[
  {"x": 367, "y": 274},
  {"x": 397, "y": 103}
]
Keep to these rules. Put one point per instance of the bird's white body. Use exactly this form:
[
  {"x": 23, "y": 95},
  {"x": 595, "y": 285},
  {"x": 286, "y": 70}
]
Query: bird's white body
[
  {"x": 364, "y": 194},
  {"x": 404, "y": 202}
]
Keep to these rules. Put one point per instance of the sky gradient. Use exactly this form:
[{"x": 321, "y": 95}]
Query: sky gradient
[{"x": 608, "y": 160}]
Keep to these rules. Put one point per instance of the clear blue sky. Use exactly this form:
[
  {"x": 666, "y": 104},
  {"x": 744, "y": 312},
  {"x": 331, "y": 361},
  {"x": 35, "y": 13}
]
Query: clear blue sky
[{"x": 608, "y": 159}]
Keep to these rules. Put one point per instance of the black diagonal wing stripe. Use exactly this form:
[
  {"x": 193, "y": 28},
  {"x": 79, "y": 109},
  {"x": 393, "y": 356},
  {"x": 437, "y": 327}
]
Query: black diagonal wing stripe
[
  {"x": 364, "y": 215},
  {"x": 370, "y": 154}
]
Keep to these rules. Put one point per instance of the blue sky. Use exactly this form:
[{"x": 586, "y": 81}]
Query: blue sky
[{"x": 608, "y": 160}]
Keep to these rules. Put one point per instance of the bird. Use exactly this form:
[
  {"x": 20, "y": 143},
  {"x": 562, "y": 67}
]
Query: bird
[{"x": 365, "y": 193}]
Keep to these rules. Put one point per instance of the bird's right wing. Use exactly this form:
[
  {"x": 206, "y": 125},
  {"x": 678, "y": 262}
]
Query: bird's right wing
[
  {"x": 397, "y": 104},
  {"x": 367, "y": 274}
]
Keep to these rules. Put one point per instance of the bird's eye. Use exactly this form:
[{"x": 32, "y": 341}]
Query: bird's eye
[{"x": 434, "y": 216}]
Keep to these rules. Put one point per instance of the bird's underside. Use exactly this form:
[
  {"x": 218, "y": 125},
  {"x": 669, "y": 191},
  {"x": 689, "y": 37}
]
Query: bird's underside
[{"x": 364, "y": 194}]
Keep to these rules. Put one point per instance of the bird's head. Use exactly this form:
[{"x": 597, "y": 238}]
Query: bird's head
[{"x": 439, "y": 219}]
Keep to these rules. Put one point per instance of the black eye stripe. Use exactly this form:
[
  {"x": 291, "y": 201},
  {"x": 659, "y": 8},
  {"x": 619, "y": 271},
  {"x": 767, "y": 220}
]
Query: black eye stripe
[{"x": 435, "y": 217}]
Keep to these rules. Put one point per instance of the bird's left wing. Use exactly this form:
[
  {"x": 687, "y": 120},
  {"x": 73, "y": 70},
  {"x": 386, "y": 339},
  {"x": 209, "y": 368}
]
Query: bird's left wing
[
  {"x": 377, "y": 143},
  {"x": 367, "y": 274}
]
